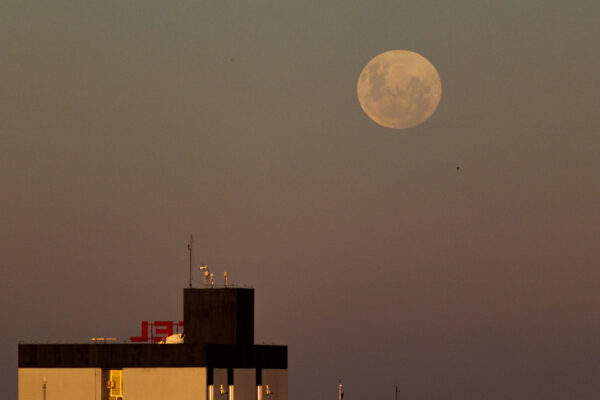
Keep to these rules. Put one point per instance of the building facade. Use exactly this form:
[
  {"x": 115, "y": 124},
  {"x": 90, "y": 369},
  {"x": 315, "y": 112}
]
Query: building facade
[{"x": 217, "y": 360}]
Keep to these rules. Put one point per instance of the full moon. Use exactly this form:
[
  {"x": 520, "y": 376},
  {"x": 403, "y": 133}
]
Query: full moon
[{"x": 399, "y": 89}]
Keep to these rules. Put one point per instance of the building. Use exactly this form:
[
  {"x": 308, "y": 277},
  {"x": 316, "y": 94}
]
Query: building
[{"x": 217, "y": 359}]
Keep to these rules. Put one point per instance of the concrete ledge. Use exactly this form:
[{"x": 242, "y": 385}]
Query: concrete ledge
[{"x": 117, "y": 356}]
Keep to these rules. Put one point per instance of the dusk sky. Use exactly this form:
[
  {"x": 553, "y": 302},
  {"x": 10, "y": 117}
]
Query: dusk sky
[{"x": 127, "y": 125}]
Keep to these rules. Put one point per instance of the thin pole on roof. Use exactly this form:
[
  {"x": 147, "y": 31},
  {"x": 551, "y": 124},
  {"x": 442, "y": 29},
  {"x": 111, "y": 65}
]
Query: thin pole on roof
[{"x": 191, "y": 250}]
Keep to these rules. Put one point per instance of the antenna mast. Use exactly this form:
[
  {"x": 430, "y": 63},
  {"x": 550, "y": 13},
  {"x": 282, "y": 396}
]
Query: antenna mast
[{"x": 191, "y": 250}]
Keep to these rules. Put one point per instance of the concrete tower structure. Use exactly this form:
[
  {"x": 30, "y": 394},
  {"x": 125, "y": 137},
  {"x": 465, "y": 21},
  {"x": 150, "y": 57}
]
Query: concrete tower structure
[{"x": 218, "y": 360}]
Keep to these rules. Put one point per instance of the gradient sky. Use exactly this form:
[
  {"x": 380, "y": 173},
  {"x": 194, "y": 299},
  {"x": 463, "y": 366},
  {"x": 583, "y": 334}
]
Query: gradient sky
[{"x": 127, "y": 125}]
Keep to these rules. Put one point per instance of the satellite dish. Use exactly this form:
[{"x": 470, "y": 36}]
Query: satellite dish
[{"x": 173, "y": 339}]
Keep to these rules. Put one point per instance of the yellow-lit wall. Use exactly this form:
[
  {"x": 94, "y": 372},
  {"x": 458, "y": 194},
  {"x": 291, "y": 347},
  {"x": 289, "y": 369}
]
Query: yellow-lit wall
[
  {"x": 147, "y": 383},
  {"x": 244, "y": 380},
  {"x": 164, "y": 383},
  {"x": 61, "y": 383},
  {"x": 277, "y": 379}
]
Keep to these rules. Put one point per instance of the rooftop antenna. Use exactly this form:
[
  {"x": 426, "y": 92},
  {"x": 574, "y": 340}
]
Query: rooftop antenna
[
  {"x": 190, "y": 247},
  {"x": 205, "y": 274}
]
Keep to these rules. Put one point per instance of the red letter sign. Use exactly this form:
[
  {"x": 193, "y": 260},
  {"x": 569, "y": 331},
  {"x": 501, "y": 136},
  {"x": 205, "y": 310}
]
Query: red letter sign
[{"x": 144, "y": 337}]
